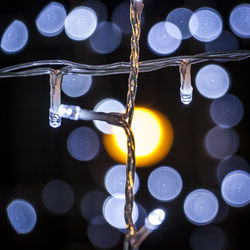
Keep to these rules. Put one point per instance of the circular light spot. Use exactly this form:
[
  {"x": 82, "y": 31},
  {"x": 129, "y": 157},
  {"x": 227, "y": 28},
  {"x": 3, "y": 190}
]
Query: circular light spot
[
  {"x": 227, "y": 111},
  {"x": 83, "y": 144},
  {"x": 164, "y": 183},
  {"x": 113, "y": 211},
  {"x": 201, "y": 207},
  {"x": 76, "y": 85},
  {"x": 14, "y": 37},
  {"x": 221, "y": 143},
  {"x": 99, "y": 8},
  {"x": 106, "y": 39},
  {"x": 91, "y": 205},
  {"x": 115, "y": 180},
  {"x": 50, "y": 21},
  {"x": 80, "y": 23},
  {"x": 235, "y": 188},
  {"x": 101, "y": 234},
  {"x": 107, "y": 105},
  {"x": 225, "y": 42},
  {"x": 212, "y": 81},
  {"x": 164, "y": 38},
  {"x": 58, "y": 196},
  {"x": 240, "y": 20},
  {"x": 205, "y": 24},
  {"x": 207, "y": 238},
  {"x": 230, "y": 164},
  {"x": 22, "y": 216},
  {"x": 150, "y": 148},
  {"x": 180, "y": 17},
  {"x": 155, "y": 219}
]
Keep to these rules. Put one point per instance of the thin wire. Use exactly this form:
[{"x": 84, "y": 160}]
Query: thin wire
[{"x": 38, "y": 67}]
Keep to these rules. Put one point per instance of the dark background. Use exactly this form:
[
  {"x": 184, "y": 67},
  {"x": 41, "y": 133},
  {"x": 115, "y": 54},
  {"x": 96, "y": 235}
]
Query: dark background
[{"x": 33, "y": 153}]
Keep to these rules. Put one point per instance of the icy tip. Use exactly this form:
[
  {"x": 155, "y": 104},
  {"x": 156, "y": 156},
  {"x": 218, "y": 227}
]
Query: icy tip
[
  {"x": 155, "y": 219},
  {"x": 186, "y": 96},
  {"x": 54, "y": 120}
]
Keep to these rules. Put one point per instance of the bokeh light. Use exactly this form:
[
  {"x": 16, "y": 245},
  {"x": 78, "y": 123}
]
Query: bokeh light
[
  {"x": 227, "y": 111},
  {"x": 115, "y": 180},
  {"x": 58, "y": 196},
  {"x": 106, "y": 39},
  {"x": 180, "y": 17},
  {"x": 221, "y": 143},
  {"x": 22, "y": 216},
  {"x": 101, "y": 234},
  {"x": 107, "y": 105},
  {"x": 50, "y": 21},
  {"x": 153, "y": 135},
  {"x": 235, "y": 188},
  {"x": 83, "y": 144},
  {"x": 91, "y": 204},
  {"x": 155, "y": 219},
  {"x": 80, "y": 23},
  {"x": 230, "y": 164},
  {"x": 212, "y": 81},
  {"x": 164, "y": 183},
  {"x": 225, "y": 42},
  {"x": 99, "y": 8},
  {"x": 15, "y": 37},
  {"x": 205, "y": 24},
  {"x": 201, "y": 207},
  {"x": 240, "y": 20},
  {"x": 76, "y": 85},
  {"x": 113, "y": 211},
  {"x": 164, "y": 38},
  {"x": 207, "y": 238}
]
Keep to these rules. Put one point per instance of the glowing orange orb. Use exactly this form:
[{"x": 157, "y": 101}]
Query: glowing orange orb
[{"x": 153, "y": 138}]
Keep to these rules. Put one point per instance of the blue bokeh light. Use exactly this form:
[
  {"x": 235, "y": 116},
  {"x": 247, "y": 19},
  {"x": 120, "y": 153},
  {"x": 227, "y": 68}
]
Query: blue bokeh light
[
  {"x": 240, "y": 20},
  {"x": 22, "y": 216},
  {"x": 15, "y": 37},
  {"x": 164, "y": 183},
  {"x": 107, "y": 105},
  {"x": 58, "y": 196},
  {"x": 76, "y": 85},
  {"x": 101, "y": 234},
  {"x": 201, "y": 207},
  {"x": 115, "y": 180},
  {"x": 50, "y": 21},
  {"x": 222, "y": 143},
  {"x": 164, "y": 38},
  {"x": 225, "y": 42},
  {"x": 180, "y": 17},
  {"x": 205, "y": 24},
  {"x": 113, "y": 211},
  {"x": 227, "y": 111},
  {"x": 207, "y": 238},
  {"x": 230, "y": 164},
  {"x": 83, "y": 144},
  {"x": 91, "y": 205},
  {"x": 212, "y": 81},
  {"x": 106, "y": 39},
  {"x": 80, "y": 23},
  {"x": 235, "y": 188}
]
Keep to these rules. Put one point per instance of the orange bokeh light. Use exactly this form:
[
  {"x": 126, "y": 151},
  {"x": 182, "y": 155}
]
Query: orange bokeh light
[{"x": 153, "y": 138}]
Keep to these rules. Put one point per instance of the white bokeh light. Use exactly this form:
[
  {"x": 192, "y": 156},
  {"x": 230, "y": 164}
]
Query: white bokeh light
[
  {"x": 15, "y": 37},
  {"x": 164, "y": 38},
  {"x": 115, "y": 180},
  {"x": 201, "y": 207},
  {"x": 212, "y": 81},
  {"x": 80, "y": 23},
  {"x": 205, "y": 24},
  {"x": 50, "y": 21},
  {"x": 235, "y": 188},
  {"x": 107, "y": 105}
]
